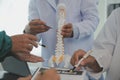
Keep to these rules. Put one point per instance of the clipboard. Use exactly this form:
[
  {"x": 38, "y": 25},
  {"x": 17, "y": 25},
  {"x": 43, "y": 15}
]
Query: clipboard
[{"x": 65, "y": 74}]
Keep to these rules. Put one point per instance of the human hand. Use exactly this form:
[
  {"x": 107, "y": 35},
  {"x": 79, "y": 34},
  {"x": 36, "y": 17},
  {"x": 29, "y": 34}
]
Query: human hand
[
  {"x": 22, "y": 45},
  {"x": 27, "y": 57},
  {"x": 67, "y": 30},
  {"x": 89, "y": 62},
  {"x": 50, "y": 74},
  {"x": 36, "y": 26},
  {"x": 25, "y": 78}
]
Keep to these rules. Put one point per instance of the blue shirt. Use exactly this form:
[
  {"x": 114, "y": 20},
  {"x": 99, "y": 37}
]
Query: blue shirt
[{"x": 83, "y": 14}]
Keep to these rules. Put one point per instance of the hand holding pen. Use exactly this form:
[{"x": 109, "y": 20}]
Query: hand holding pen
[
  {"x": 41, "y": 45},
  {"x": 85, "y": 60},
  {"x": 84, "y": 57},
  {"x": 78, "y": 57},
  {"x": 36, "y": 26}
]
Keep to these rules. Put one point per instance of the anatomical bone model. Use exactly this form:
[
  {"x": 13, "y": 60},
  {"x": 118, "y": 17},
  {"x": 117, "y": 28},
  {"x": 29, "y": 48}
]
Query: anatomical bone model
[{"x": 59, "y": 56}]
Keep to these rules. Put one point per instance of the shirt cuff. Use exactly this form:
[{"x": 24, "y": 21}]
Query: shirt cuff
[
  {"x": 27, "y": 28},
  {"x": 75, "y": 32},
  {"x": 96, "y": 76},
  {"x": 103, "y": 58},
  {"x": 98, "y": 58}
]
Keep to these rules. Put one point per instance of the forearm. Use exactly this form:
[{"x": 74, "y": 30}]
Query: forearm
[{"x": 89, "y": 21}]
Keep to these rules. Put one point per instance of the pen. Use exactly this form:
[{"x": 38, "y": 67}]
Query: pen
[
  {"x": 35, "y": 73},
  {"x": 41, "y": 44},
  {"x": 43, "y": 25},
  {"x": 85, "y": 56}
]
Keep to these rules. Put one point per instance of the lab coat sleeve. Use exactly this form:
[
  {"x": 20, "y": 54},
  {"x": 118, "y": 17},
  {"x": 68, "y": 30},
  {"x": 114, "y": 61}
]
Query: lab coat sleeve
[
  {"x": 89, "y": 21},
  {"x": 33, "y": 12},
  {"x": 105, "y": 43}
]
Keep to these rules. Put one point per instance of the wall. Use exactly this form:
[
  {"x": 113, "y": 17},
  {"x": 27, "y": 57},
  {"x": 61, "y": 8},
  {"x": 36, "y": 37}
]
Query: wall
[
  {"x": 13, "y": 15},
  {"x": 113, "y": 1},
  {"x": 102, "y": 7},
  {"x": 102, "y": 15}
]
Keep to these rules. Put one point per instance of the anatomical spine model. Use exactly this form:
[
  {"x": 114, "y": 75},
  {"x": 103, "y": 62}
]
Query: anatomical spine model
[{"x": 59, "y": 56}]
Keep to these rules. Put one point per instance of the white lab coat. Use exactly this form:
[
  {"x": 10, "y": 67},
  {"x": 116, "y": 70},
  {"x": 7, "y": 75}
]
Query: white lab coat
[
  {"x": 107, "y": 47},
  {"x": 83, "y": 14}
]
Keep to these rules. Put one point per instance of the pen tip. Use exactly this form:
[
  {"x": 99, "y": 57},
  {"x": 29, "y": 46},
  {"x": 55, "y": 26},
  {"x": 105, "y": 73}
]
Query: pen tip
[
  {"x": 43, "y": 45},
  {"x": 73, "y": 68}
]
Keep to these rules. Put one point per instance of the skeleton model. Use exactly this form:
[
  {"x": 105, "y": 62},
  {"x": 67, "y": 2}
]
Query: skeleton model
[{"x": 59, "y": 56}]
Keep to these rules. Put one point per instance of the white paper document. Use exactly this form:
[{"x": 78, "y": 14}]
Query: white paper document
[{"x": 74, "y": 77}]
